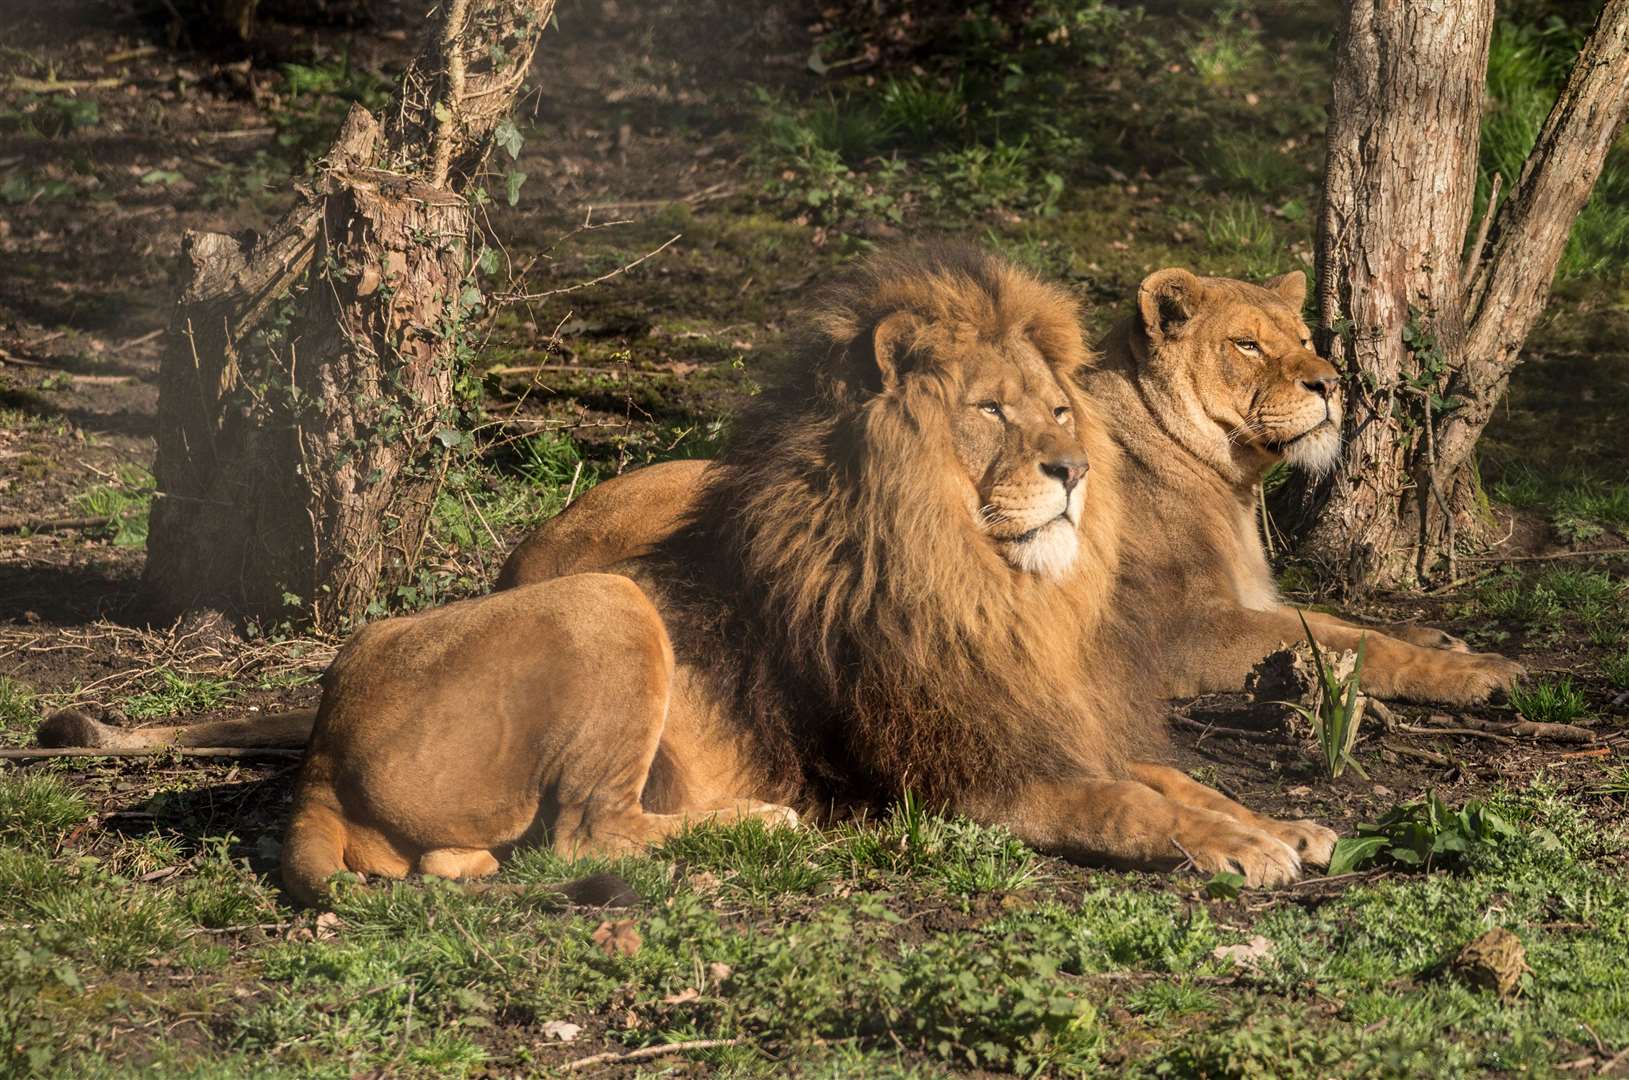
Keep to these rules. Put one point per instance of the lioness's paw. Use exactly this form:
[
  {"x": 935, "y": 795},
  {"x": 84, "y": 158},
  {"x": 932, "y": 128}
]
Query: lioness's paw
[
  {"x": 1312, "y": 841},
  {"x": 1263, "y": 859},
  {"x": 1481, "y": 677},
  {"x": 1427, "y": 637}
]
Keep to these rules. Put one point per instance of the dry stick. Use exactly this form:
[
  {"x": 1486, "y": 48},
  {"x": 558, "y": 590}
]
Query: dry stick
[
  {"x": 603, "y": 277},
  {"x": 648, "y": 1052},
  {"x": 1228, "y": 732},
  {"x": 41, "y": 754},
  {"x": 1414, "y": 729},
  {"x": 1424, "y": 755},
  {"x": 1473, "y": 254},
  {"x": 1598, "y": 553},
  {"x": 452, "y": 55},
  {"x": 34, "y": 524}
]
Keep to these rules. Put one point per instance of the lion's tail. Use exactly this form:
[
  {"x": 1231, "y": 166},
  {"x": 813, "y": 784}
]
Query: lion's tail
[
  {"x": 314, "y": 848},
  {"x": 75, "y": 727}
]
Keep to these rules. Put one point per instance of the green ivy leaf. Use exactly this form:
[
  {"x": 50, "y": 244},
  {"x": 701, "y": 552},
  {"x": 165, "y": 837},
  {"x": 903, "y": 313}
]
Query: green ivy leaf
[
  {"x": 508, "y": 136},
  {"x": 511, "y": 185},
  {"x": 1225, "y": 885},
  {"x": 1354, "y": 853}
]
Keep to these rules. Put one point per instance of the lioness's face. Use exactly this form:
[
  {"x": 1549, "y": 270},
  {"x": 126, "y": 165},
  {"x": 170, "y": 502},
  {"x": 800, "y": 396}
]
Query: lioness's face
[
  {"x": 1014, "y": 432},
  {"x": 1249, "y": 358}
]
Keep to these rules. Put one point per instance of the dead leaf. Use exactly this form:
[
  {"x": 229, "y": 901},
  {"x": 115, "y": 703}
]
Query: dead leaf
[
  {"x": 1248, "y": 955},
  {"x": 703, "y": 883},
  {"x": 689, "y": 993},
  {"x": 328, "y": 925},
  {"x": 719, "y": 972},
  {"x": 619, "y": 938},
  {"x": 562, "y": 1030}
]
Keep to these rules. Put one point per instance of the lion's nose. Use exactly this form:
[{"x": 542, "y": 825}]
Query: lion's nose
[
  {"x": 1066, "y": 470},
  {"x": 1323, "y": 387}
]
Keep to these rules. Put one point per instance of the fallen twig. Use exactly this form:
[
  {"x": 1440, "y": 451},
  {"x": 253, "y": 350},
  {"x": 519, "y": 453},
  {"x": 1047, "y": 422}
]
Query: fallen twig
[
  {"x": 1228, "y": 732},
  {"x": 607, "y": 276},
  {"x": 1415, "y": 729},
  {"x": 1597, "y": 553},
  {"x": 1423, "y": 755},
  {"x": 648, "y": 1052},
  {"x": 44, "y": 753},
  {"x": 38, "y": 524}
]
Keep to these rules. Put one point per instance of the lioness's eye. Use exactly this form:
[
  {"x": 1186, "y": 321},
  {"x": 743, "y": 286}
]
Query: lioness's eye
[
  {"x": 990, "y": 407},
  {"x": 1061, "y": 414},
  {"x": 1245, "y": 345}
]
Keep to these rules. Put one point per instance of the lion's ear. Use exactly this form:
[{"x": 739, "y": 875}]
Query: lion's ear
[
  {"x": 1167, "y": 299},
  {"x": 891, "y": 344},
  {"x": 1291, "y": 286}
]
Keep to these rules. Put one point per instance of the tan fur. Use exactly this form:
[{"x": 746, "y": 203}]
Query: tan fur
[
  {"x": 1201, "y": 421},
  {"x": 897, "y": 579}
]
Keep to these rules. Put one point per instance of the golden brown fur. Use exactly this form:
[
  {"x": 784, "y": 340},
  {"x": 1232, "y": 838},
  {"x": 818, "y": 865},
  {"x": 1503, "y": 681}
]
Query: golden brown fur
[
  {"x": 1209, "y": 384},
  {"x": 897, "y": 579}
]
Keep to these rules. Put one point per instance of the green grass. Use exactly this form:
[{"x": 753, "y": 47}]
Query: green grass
[
  {"x": 1551, "y": 701},
  {"x": 171, "y": 693},
  {"x": 19, "y": 710},
  {"x": 857, "y": 951},
  {"x": 1616, "y": 670},
  {"x": 1527, "y": 64}
]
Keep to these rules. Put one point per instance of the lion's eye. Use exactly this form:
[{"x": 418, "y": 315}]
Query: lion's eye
[
  {"x": 990, "y": 408},
  {"x": 1061, "y": 414},
  {"x": 1248, "y": 347}
]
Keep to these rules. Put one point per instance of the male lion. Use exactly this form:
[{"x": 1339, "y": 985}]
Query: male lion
[
  {"x": 1207, "y": 386},
  {"x": 897, "y": 579}
]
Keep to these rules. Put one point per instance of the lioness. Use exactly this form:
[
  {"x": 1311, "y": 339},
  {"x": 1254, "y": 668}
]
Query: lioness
[
  {"x": 897, "y": 580},
  {"x": 1207, "y": 386}
]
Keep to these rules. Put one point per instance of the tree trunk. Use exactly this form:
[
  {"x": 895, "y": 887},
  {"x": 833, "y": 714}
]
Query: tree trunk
[
  {"x": 306, "y": 407},
  {"x": 1425, "y": 328}
]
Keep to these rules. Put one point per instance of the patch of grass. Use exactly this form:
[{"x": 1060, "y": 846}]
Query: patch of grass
[
  {"x": 19, "y": 710},
  {"x": 922, "y": 110},
  {"x": 1241, "y": 230},
  {"x": 1551, "y": 701},
  {"x": 1422, "y": 835},
  {"x": 1527, "y": 65},
  {"x": 36, "y": 807},
  {"x": 172, "y": 693},
  {"x": 1616, "y": 670},
  {"x": 1254, "y": 165},
  {"x": 1512, "y": 598},
  {"x": 125, "y": 501}
]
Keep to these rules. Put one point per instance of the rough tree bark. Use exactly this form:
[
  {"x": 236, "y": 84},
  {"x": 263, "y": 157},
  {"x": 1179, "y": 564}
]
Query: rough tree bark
[
  {"x": 306, "y": 392},
  {"x": 1425, "y": 320}
]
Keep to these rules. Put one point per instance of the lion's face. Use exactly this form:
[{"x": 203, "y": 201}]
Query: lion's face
[
  {"x": 1011, "y": 419},
  {"x": 1246, "y": 358}
]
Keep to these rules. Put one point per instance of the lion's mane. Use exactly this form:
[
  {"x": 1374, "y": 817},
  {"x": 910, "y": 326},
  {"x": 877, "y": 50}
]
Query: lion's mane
[{"x": 833, "y": 577}]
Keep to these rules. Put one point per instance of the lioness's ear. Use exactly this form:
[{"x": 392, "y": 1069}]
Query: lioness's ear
[
  {"x": 1291, "y": 286},
  {"x": 1167, "y": 299},
  {"x": 891, "y": 343}
]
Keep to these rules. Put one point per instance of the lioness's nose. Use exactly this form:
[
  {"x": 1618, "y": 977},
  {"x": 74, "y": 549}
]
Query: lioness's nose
[
  {"x": 1066, "y": 470},
  {"x": 1322, "y": 386}
]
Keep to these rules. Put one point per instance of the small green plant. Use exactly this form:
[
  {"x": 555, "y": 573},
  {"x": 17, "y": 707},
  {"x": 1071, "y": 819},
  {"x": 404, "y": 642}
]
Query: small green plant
[
  {"x": 1616, "y": 670},
  {"x": 1338, "y": 713},
  {"x": 1425, "y": 835},
  {"x": 1224, "y": 885},
  {"x": 921, "y": 110},
  {"x": 19, "y": 710},
  {"x": 30, "y": 977},
  {"x": 1551, "y": 701},
  {"x": 35, "y": 807},
  {"x": 125, "y": 502},
  {"x": 170, "y": 693}
]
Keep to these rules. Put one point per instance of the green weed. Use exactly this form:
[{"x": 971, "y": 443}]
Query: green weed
[
  {"x": 1551, "y": 701},
  {"x": 1253, "y": 165},
  {"x": 1425, "y": 835},
  {"x": 1338, "y": 713},
  {"x": 19, "y": 710},
  {"x": 36, "y": 807},
  {"x": 1239, "y": 229},
  {"x": 170, "y": 693},
  {"x": 920, "y": 110},
  {"x": 1616, "y": 670},
  {"x": 125, "y": 502}
]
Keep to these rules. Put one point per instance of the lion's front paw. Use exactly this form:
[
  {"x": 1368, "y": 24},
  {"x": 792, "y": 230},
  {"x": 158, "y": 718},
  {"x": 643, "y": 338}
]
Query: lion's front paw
[
  {"x": 1312, "y": 841},
  {"x": 1482, "y": 677},
  {"x": 1263, "y": 859},
  {"x": 1427, "y": 637}
]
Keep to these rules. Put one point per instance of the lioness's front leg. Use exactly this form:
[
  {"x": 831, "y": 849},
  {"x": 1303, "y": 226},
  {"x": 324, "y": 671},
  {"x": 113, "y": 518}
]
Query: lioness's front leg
[
  {"x": 1129, "y": 824},
  {"x": 1312, "y": 841},
  {"x": 1221, "y": 645}
]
